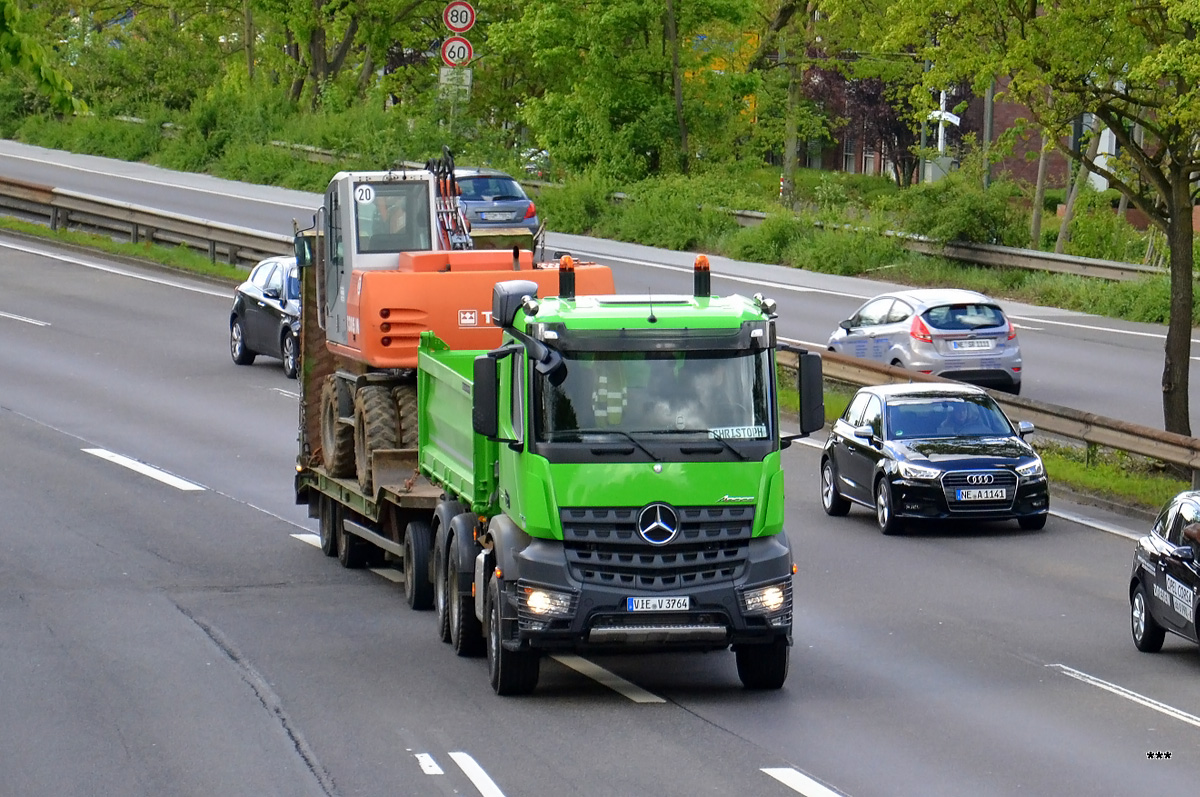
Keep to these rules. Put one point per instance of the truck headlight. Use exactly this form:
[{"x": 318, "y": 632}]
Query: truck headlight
[
  {"x": 910, "y": 471},
  {"x": 1031, "y": 470},
  {"x": 769, "y": 599},
  {"x": 544, "y": 603}
]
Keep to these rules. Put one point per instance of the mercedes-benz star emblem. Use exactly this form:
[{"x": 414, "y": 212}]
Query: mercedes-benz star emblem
[
  {"x": 980, "y": 478},
  {"x": 658, "y": 524}
]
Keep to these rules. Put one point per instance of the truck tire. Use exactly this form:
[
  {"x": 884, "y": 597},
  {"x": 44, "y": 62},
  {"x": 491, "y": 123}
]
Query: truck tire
[
  {"x": 418, "y": 590},
  {"x": 763, "y": 666},
  {"x": 374, "y": 428},
  {"x": 405, "y": 398},
  {"x": 353, "y": 552},
  {"x": 512, "y": 672},
  {"x": 337, "y": 439},
  {"x": 466, "y": 632},
  {"x": 330, "y": 518},
  {"x": 443, "y": 515}
]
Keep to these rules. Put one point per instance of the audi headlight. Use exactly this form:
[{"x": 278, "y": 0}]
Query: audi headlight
[
  {"x": 1032, "y": 469},
  {"x": 910, "y": 471}
]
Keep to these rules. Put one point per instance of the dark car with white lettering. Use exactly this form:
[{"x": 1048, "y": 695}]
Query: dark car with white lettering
[
  {"x": 921, "y": 452},
  {"x": 1166, "y": 576},
  {"x": 265, "y": 317}
]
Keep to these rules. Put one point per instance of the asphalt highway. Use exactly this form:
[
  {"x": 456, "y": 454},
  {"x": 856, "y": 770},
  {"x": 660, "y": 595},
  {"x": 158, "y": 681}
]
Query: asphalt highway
[{"x": 167, "y": 626}]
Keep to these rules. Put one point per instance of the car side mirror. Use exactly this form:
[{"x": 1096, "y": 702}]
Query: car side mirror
[
  {"x": 272, "y": 293},
  {"x": 1024, "y": 428},
  {"x": 847, "y": 325},
  {"x": 1184, "y": 553},
  {"x": 866, "y": 433}
]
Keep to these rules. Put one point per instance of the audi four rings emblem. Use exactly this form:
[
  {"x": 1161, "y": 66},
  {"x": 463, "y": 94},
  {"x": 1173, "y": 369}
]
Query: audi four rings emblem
[
  {"x": 658, "y": 524},
  {"x": 980, "y": 478}
]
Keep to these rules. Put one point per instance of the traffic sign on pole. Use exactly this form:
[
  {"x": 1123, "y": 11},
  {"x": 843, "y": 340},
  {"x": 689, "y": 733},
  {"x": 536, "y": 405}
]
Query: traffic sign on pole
[
  {"x": 459, "y": 16},
  {"x": 456, "y": 51}
]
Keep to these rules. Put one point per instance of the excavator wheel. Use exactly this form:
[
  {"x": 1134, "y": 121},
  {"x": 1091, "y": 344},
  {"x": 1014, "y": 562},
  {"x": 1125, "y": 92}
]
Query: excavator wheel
[
  {"x": 405, "y": 397},
  {"x": 374, "y": 427},
  {"x": 337, "y": 439}
]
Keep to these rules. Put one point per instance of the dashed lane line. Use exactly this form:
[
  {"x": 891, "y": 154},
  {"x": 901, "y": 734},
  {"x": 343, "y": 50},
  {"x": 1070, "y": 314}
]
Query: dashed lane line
[
  {"x": 613, "y": 681},
  {"x": 486, "y": 786},
  {"x": 799, "y": 782},
  {"x": 144, "y": 469},
  {"x": 22, "y": 318}
]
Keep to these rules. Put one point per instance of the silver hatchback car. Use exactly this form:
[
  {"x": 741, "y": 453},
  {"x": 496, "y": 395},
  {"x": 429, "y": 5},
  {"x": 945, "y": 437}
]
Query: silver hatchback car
[{"x": 953, "y": 333}]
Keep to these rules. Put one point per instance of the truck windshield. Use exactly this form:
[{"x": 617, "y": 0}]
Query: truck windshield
[
  {"x": 698, "y": 394},
  {"x": 392, "y": 217}
]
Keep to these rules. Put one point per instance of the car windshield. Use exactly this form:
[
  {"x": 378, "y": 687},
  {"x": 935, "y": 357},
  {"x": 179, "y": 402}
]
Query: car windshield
[
  {"x": 964, "y": 317},
  {"x": 490, "y": 189},
  {"x": 969, "y": 416},
  {"x": 692, "y": 394}
]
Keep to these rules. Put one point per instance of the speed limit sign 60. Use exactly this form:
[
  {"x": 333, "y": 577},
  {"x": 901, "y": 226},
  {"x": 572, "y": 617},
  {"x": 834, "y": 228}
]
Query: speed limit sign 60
[
  {"x": 459, "y": 16},
  {"x": 456, "y": 51}
]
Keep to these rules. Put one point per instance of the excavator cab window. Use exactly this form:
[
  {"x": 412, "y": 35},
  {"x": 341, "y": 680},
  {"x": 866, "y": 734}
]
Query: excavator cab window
[{"x": 392, "y": 217}]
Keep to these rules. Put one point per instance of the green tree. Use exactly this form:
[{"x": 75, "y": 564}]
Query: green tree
[
  {"x": 1133, "y": 64},
  {"x": 20, "y": 51}
]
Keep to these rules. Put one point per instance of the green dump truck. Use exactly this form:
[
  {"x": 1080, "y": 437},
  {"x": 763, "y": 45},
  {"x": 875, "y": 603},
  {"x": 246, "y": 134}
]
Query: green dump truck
[{"x": 608, "y": 479}]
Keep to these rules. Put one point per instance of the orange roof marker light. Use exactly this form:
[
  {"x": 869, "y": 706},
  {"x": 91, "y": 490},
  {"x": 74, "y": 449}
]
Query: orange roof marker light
[
  {"x": 566, "y": 277},
  {"x": 703, "y": 278}
]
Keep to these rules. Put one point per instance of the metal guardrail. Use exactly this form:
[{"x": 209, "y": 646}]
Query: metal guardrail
[
  {"x": 1050, "y": 419},
  {"x": 63, "y": 209}
]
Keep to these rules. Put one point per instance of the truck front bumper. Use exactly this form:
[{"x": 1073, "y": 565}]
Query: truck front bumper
[{"x": 558, "y": 610}]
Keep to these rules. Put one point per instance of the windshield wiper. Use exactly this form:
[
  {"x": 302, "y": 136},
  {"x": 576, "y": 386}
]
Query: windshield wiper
[
  {"x": 728, "y": 446},
  {"x": 578, "y": 434}
]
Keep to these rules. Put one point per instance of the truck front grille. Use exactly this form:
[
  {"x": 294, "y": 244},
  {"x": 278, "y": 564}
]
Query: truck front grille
[{"x": 603, "y": 547}]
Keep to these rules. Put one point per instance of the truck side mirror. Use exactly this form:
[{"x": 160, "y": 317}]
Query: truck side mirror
[
  {"x": 811, "y": 384},
  {"x": 485, "y": 407}
]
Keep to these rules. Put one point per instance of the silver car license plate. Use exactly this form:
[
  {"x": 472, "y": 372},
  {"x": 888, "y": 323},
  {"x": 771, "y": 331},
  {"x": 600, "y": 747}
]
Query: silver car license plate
[
  {"x": 990, "y": 494},
  {"x": 662, "y": 603},
  {"x": 973, "y": 344},
  {"x": 496, "y": 216}
]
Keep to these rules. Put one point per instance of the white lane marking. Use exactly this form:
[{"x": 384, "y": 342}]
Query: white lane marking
[
  {"x": 799, "y": 782},
  {"x": 428, "y": 765},
  {"x": 312, "y": 539},
  {"x": 33, "y": 321},
  {"x": 144, "y": 469},
  {"x": 287, "y": 393},
  {"x": 118, "y": 271},
  {"x": 1097, "y": 524},
  {"x": 606, "y": 678},
  {"x": 224, "y": 194},
  {"x": 1121, "y": 691},
  {"x": 487, "y": 787}
]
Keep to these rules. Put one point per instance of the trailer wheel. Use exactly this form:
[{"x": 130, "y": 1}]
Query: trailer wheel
[
  {"x": 445, "y": 512},
  {"x": 512, "y": 672},
  {"x": 328, "y": 522},
  {"x": 466, "y": 632},
  {"x": 763, "y": 666},
  {"x": 374, "y": 427},
  {"x": 337, "y": 439},
  {"x": 405, "y": 398},
  {"x": 417, "y": 589},
  {"x": 353, "y": 552}
]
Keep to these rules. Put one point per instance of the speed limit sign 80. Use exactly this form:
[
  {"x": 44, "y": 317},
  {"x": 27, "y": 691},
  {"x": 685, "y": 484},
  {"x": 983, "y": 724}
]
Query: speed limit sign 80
[
  {"x": 459, "y": 16},
  {"x": 456, "y": 51}
]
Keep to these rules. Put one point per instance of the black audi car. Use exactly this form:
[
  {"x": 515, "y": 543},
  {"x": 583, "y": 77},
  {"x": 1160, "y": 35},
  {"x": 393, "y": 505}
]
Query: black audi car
[
  {"x": 1166, "y": 575},
  {"x": 265, "y": 317},
  {"x": 932, "y": 451}
]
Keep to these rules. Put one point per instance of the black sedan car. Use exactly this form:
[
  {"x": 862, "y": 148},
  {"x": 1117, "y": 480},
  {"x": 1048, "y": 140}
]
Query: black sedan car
[
  {"x": 1166, "y": 576},
  {"x": 265, "y": 318},
  {"x": 932, "y": 451}
]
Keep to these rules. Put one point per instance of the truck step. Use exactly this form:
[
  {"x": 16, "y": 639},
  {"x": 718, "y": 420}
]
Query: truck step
[{"x": 649, "y": 634}]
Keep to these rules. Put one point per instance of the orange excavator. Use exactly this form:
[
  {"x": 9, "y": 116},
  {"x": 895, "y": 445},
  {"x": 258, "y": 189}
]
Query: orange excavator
[{"x": 389, "y": 256}]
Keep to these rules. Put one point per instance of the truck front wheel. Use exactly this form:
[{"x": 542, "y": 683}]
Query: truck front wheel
[
  {"x": 763, "y": 666},
  {"x": 466, "y": 632},
  {"x": 512, "y": 672}
]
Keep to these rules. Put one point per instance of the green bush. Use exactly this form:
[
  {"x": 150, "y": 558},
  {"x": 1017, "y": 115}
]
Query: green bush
[
  {"x": 674, "y": 213},
  {"x": 845, "y": 252},
  {"x": 768, "y": 242},
  {"x": 1097, "y": 231},
  {"x": 580, "y": 206}
]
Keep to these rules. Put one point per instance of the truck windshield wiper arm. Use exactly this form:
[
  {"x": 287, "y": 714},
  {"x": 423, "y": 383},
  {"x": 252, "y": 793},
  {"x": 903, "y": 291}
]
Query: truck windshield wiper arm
[
  {"x": 728, "y": 446},
  {"x": 578, "y": 433}
]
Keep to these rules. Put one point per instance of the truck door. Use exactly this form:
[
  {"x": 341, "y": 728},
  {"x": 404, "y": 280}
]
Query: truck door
[{"x": 513, "y": 426}]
